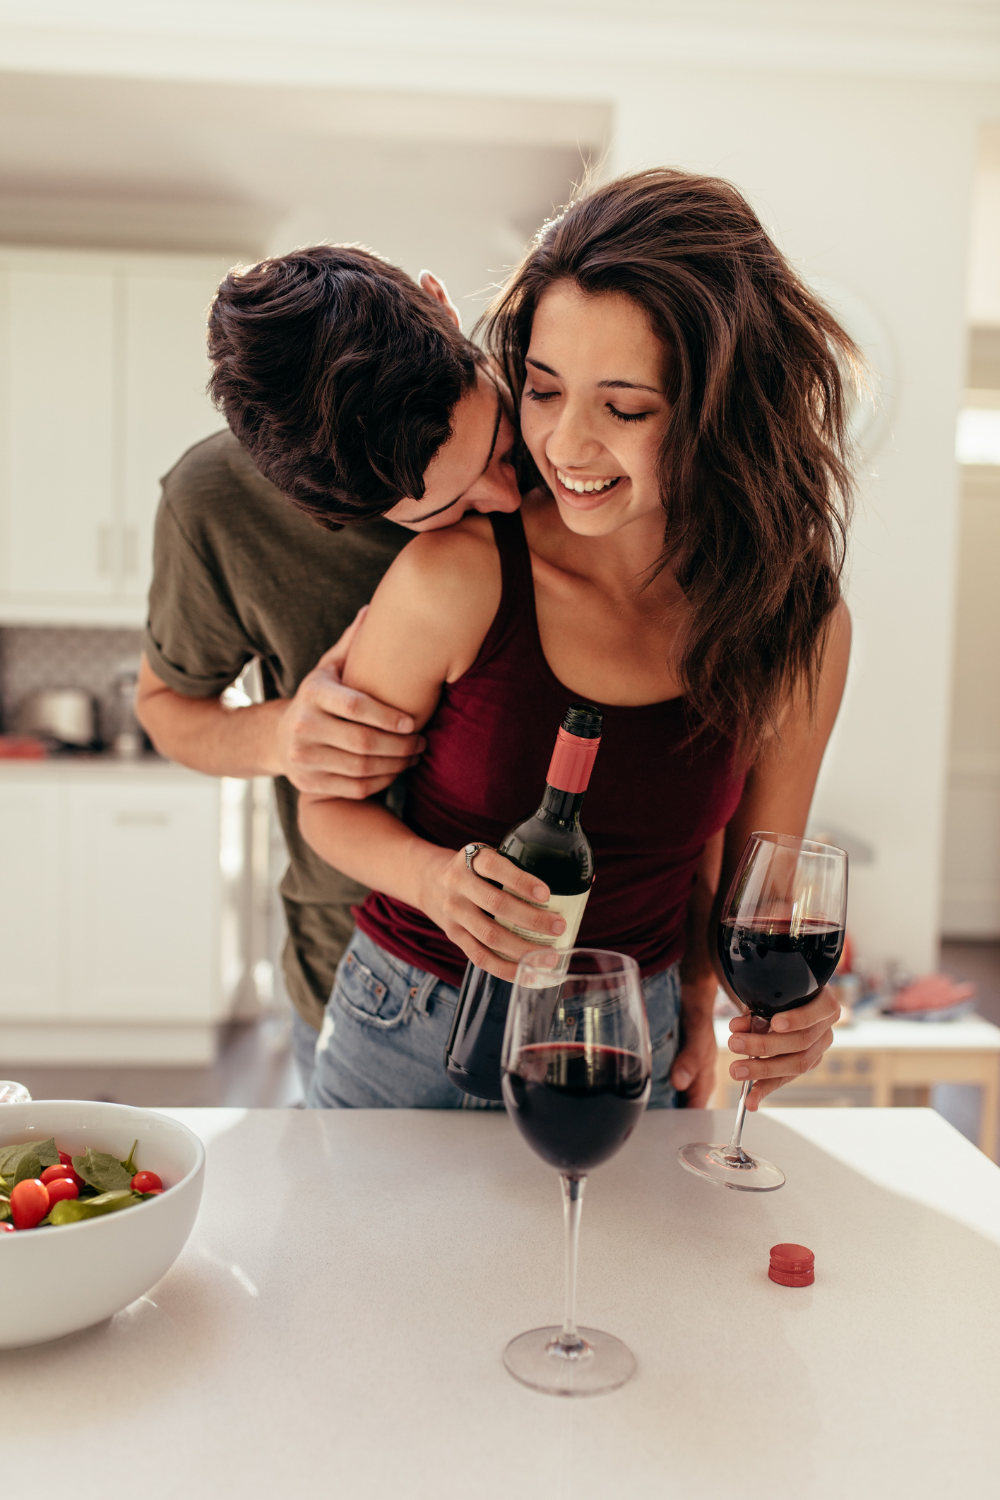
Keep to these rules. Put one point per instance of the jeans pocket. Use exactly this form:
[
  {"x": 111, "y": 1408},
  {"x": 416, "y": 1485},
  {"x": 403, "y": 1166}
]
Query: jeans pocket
[{"x": 380, "y": 1000}]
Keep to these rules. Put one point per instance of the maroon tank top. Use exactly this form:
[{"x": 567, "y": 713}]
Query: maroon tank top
[{"x": 656, "y": 794}]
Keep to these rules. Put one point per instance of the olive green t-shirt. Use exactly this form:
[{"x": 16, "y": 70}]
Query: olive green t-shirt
[{"x": 239, "y": 573}]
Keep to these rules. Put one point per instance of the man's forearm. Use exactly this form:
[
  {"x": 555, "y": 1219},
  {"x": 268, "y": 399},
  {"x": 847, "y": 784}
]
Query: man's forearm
[{"x": 202, "y": 734}]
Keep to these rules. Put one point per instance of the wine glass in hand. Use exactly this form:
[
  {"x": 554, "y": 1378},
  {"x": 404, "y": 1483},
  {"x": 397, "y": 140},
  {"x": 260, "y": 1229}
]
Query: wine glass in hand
[
  {"x": 780, "y": 939},
  {"x": 576, "y": 1066}
]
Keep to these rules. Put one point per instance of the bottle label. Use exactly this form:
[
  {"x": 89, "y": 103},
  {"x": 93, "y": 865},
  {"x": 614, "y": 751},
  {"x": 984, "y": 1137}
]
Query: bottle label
[{"x": 570, "y": 908}]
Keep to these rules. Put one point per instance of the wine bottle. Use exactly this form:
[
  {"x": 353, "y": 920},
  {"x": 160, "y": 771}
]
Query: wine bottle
[{"x": 552, "y": 845}]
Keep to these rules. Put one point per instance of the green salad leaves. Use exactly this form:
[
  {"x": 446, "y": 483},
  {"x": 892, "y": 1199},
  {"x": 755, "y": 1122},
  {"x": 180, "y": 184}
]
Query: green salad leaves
[
  {"x": 104, "y": 1172},
  {"x": 106, "y": 1182}
]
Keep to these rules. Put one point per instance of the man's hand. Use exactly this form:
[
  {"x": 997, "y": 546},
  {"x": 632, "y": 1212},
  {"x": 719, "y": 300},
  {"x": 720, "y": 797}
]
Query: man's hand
[
  {"x": 693, "y": 1072},
  {"x": 328, "y": 739},
  {"x": 795, "y": 1043},
  {"x": 335, "y": 741}
]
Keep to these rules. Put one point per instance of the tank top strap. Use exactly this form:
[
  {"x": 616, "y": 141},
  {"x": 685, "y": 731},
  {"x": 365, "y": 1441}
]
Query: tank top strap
[
  {"x": 515, "y": 559},
  {"x": 515, "y": 620}
]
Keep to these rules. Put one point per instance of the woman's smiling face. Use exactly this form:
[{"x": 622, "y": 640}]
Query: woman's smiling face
[{"x": 593, "y": 413}]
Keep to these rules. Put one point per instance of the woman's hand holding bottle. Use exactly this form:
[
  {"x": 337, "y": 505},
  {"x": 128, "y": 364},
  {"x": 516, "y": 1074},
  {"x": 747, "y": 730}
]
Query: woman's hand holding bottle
[{"x": 465, "y": 899}]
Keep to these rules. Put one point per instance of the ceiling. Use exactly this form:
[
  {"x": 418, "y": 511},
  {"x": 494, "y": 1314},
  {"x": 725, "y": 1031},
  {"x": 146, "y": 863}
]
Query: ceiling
[{"x": 252, "y": 169}]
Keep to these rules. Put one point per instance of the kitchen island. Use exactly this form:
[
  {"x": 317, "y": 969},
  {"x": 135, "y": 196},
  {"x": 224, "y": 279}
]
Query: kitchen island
[{"x": 335, "y": 1324}]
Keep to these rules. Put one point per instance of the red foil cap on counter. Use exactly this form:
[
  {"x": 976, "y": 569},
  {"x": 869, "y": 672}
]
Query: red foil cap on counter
[
  {"x": 572, "y": 762},
  {"x": 792, "y": 1265}
]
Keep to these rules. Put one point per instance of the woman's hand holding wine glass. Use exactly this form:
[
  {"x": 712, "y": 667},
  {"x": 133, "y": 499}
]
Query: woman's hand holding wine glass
[
  {"x": 779, "y": 940},
  {"x": 794, "y": 1044}
]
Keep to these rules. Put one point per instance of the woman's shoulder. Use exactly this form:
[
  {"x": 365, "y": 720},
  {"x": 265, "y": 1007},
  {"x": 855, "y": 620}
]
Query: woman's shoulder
[
  {"x": 448, "y": 565},
  {"x": 451, "y": 549},
  {"x": 443, "y": 591}
]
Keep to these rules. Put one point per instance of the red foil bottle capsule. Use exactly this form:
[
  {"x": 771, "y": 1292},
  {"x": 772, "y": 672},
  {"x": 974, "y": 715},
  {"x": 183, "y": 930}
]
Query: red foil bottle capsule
[{"x": 792, "y": 1265}]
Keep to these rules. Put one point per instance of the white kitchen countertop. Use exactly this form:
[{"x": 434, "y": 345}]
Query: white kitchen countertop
[
  {"x": 96, "y": 768},
  {"x": 335, "y": 1324}
]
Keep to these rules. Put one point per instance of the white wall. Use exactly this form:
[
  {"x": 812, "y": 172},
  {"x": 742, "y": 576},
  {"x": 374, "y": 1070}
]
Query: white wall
[
  {"x": 867, "y": 183},
  {"x": 971, "y": 866},
  {"x": 853, "y": 131}
]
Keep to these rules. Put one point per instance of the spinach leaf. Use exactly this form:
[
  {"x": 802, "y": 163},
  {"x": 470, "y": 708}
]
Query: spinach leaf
[
  {"x": 129, "y": 1162},
  {"x": 28, "y": 1166},
  {"x": 4, "y": 1209},
  {"x": 42, "y": 1153},
  {"x": 71, "y": 1210},
  {"x": 103, "y": 1172}
]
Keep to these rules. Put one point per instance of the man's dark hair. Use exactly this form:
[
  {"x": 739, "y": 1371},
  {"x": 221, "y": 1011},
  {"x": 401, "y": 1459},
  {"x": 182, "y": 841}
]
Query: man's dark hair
[{"x": 339, "y": 375}]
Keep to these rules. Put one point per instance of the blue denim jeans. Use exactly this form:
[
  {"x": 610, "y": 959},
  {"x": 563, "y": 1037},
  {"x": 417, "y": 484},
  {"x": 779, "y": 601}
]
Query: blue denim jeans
[
  {"x": 387, "y": 1025},
  {"x": 304, "y": 1039}
]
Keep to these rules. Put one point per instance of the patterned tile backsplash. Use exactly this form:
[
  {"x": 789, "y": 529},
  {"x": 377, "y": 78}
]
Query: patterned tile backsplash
[{"x": 33, "y": 657}]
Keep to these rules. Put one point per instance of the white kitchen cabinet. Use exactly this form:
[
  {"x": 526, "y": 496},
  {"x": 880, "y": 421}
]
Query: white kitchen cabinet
[
  {"x": 166, "y": 405},
  {"x": 61, "y": 459},
  {"x": 103, "y": 373},
  {"x": 144, "y": 907},
  {"x": 117, "y": 884},
  {"x": 32, "y": 899}
]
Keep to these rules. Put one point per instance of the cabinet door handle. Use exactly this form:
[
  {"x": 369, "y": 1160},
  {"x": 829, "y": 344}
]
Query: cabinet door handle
[
  {"x": 131, "y": 549},
  {"x": 105, "y": 549}
]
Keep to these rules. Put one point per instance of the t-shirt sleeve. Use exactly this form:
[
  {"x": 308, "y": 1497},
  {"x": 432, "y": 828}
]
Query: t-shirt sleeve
[{"x": 194, "y": 640}]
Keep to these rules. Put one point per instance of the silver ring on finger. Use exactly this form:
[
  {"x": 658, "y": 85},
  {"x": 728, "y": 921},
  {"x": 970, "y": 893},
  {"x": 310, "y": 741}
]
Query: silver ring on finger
[{"x": 470, "y": 851}]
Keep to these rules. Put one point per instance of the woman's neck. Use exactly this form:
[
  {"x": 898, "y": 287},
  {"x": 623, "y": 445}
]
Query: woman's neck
[{"x": 619, "y": 564}]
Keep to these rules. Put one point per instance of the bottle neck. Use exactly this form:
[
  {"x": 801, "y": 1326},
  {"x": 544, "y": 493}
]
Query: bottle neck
[{"x": 564, "y": 807}]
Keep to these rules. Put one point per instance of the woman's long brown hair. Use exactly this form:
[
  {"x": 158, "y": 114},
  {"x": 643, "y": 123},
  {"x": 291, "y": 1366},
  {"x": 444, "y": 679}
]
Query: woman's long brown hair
[{"x": 753, "y": 469}]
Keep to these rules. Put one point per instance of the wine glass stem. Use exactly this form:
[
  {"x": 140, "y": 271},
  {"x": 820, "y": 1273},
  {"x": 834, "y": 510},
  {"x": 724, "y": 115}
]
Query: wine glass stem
[
  {"x": 758, "y": 1024},
  {"x": 736, "y": 1144},
  {"x": 572, "y": 1196}
]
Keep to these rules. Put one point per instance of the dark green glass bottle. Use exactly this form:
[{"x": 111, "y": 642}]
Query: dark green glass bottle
[{"x": 552, "y": 845}]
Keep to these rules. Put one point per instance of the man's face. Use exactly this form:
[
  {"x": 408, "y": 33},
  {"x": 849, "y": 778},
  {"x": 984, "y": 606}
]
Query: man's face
[{"x": 472, "y": 470}]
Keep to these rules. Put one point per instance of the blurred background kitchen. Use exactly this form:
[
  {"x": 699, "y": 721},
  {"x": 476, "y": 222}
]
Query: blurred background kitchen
[{"x": 146, "y": 147}]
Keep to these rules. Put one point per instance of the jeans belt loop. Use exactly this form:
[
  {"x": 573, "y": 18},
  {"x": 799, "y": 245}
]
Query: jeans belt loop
[{"x": 420, "y": 994}]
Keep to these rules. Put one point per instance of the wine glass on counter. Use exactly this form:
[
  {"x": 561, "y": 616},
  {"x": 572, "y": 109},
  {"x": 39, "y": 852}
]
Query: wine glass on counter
[
  {"x": 576, "y": 1065},
  {"x": 780, "y": 939}
]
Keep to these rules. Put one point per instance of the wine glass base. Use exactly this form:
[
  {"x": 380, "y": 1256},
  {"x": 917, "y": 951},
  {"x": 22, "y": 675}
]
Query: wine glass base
[
  {"x": 600, "y": 1363},
  {"x": 714, "y": 1164}
]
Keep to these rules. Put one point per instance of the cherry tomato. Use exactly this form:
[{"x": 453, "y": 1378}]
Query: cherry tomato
[
  {"x": 153, "y": 1192},
  {"x": 6, "y": 1228},
  {"x": 147, "y": 1182},
  {"x": 66, "y": 1162},
  {"x": 61, "y": 1187},
  {"x": 53, "y": 1174},
  {"x": 29, "y": 1203}
]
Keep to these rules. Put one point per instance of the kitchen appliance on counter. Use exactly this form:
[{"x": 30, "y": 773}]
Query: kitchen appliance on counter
[
  {"x": 128, "y": 741},
  {"x": 65, "y": 716}
]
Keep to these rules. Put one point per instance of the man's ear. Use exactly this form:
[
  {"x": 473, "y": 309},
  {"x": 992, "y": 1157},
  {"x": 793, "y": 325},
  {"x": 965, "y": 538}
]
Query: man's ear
[{"x": 437, "y": 290}]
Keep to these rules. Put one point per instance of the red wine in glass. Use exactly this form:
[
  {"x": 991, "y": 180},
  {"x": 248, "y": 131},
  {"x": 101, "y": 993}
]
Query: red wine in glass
[
  {"x": 779, "y": 942},
  {"x": 575, "y": 1105},
  {"x": 576, "y": 1067},
  {"x": 773, "y": 968}
]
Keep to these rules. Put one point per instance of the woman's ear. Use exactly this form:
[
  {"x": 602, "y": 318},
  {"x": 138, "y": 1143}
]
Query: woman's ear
[{"x": 437, "y": 290}]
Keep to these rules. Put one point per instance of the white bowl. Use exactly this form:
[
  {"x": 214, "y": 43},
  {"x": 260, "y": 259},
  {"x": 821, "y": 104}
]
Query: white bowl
[{"x": 70, "y": 1276}]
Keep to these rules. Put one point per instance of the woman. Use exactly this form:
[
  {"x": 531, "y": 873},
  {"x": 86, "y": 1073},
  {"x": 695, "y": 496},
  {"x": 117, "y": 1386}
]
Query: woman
[{"x": 678, "y": 564}]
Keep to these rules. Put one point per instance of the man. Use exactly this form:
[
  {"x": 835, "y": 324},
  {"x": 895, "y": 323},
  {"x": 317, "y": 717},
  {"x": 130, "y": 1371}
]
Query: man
[{"x": 363, "y": 404}]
